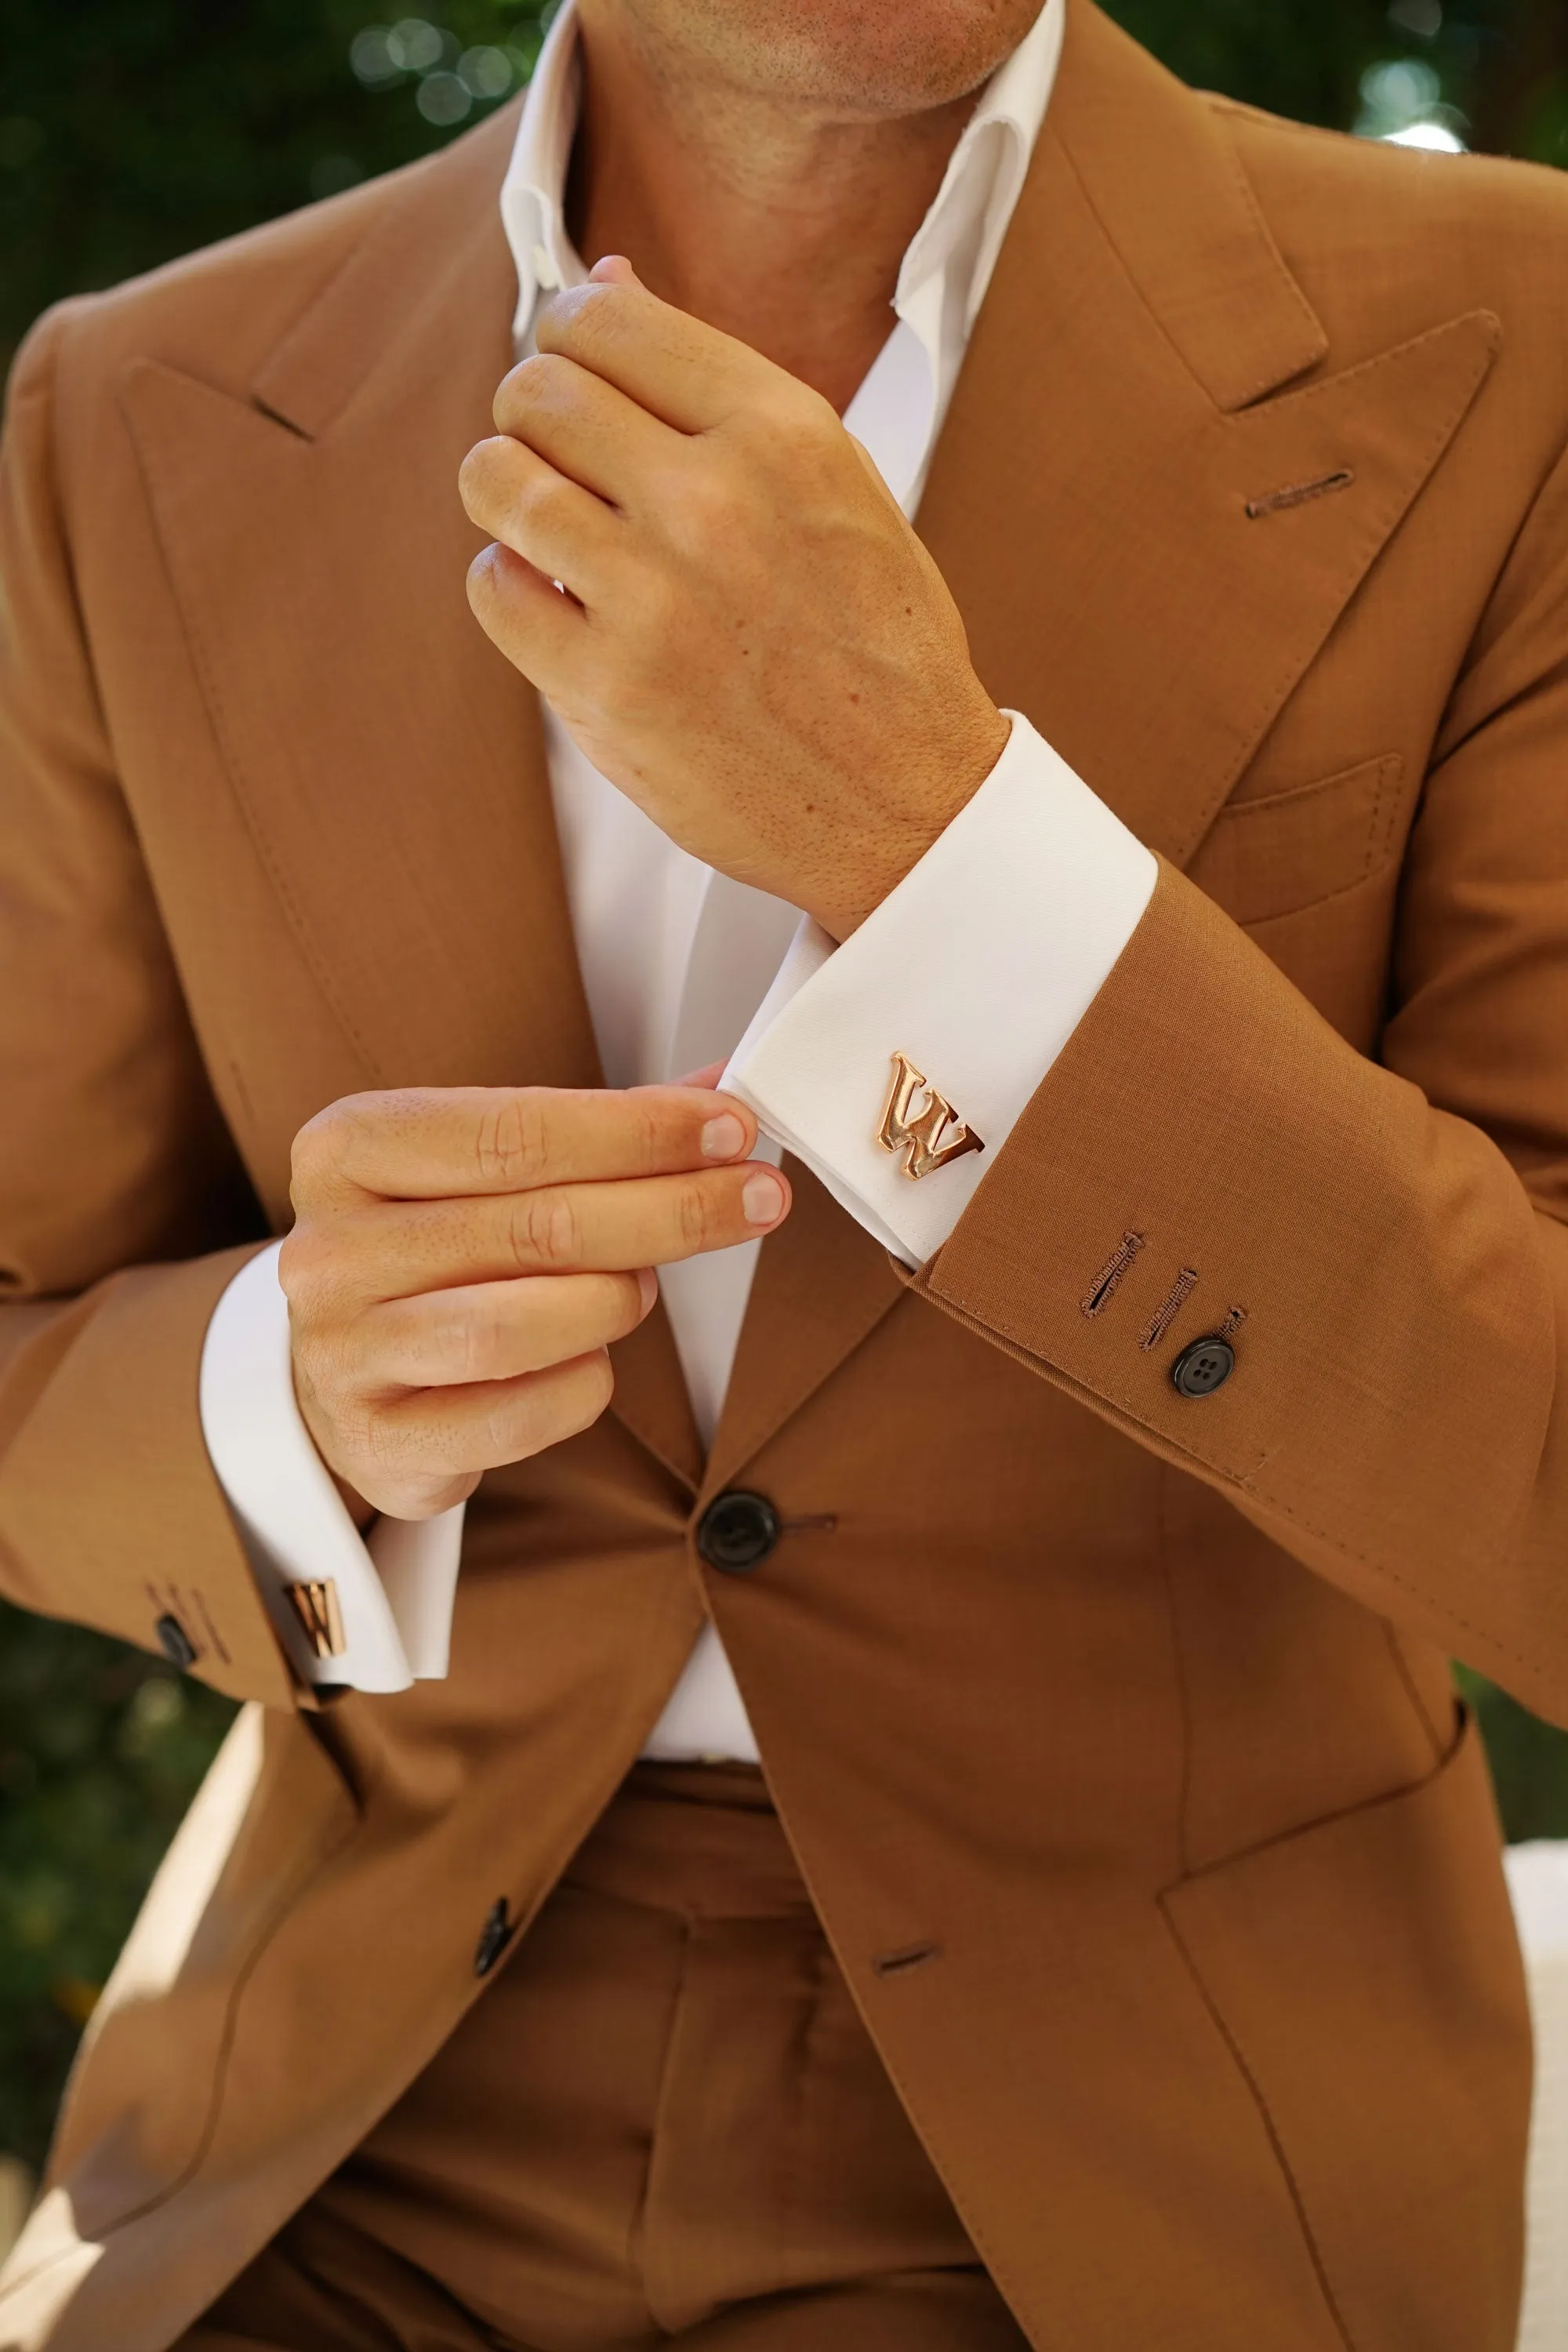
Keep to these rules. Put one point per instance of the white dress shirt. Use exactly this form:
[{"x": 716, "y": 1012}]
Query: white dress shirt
[{"x": 977, "y": 967}]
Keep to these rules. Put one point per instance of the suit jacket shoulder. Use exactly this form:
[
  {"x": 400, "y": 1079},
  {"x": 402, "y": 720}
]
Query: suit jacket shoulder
[
  {"x": 1387, "y": 241},
  {"x": 220, "y": 312}
]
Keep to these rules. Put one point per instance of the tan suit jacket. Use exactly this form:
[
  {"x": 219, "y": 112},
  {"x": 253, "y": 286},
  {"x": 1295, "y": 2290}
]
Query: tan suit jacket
[{"x": 1113, "y": 1728}]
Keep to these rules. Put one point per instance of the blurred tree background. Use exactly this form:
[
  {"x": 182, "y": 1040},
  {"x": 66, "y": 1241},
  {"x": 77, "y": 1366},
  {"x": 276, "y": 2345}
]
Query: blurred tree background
[{"x": 134, "y": 130}]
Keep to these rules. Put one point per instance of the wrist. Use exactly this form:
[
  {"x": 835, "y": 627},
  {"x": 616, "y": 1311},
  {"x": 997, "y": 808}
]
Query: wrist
[{"x": 872, "y": 860}]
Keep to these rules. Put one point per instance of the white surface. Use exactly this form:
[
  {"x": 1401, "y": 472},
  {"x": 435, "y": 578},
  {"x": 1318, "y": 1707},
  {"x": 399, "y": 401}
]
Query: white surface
[{"x": 1538, "y": 1881}]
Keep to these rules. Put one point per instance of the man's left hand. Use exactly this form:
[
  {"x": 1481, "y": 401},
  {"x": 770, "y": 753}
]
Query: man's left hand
[{"x": 705, "y": 576}]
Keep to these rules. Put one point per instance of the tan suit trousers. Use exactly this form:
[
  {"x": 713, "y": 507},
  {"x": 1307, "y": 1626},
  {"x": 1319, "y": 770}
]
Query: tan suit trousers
[{"x": 663, "y": 2119}]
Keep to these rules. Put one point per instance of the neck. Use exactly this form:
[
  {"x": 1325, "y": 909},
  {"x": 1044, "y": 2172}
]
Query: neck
[{"x": 780, "y": 222}]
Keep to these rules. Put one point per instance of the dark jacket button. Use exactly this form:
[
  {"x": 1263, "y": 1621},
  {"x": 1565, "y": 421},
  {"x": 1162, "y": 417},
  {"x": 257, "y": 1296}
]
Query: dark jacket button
[
  {"x": 737, "y": 1531},
  {"x": 1203, "y": 1367},
  {"x": 494, "y": 1936},
  {"x": 175, "y": 1643}
]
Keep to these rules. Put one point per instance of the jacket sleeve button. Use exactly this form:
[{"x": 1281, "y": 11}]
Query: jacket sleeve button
[
  {"x": 494, "y": 1936},
  {"x": 175, "y": 1643},
  {"x": 1203, "y": 1367}
]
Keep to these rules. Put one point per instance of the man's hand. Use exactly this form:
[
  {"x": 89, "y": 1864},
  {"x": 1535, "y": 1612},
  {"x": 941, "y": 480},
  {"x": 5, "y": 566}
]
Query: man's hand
[
  {"x": 702, "y": 571},
  {"x": 462, "y": 1259}
]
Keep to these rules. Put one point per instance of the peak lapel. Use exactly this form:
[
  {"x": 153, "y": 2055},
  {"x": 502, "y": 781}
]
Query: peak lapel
[
  {"x": 1133, "y": 384},
  {"x": 1131, "y": 390},
  {"x": 389, "y": 762}
]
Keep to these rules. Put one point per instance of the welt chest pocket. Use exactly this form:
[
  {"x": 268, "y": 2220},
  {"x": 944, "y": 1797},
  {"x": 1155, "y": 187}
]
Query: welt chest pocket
[{"x": 1283, "y": 851}]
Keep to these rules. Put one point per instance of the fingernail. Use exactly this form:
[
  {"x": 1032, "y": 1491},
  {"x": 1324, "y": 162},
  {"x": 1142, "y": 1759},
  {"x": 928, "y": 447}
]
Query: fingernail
[
  {"x": 647, "y": 1283},
  {"x": 762, "y": 1198},
  {"x": 723, "y": 1139}
]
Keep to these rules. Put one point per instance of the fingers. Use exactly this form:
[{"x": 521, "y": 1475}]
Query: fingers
[
  {"x": 421, "y": 1359},
  {"x": 686, "y": 374},
  {"x": 443, "y": 1143},
  {"x": 561, "y": 529},
  {"x": 590, "y": 432},
  {"x": 536, "y": 625},
  {"x": 394, "y": 1250},
  {"x": 496, "y": 1331},
  {"x": 414, "y": 1453}
]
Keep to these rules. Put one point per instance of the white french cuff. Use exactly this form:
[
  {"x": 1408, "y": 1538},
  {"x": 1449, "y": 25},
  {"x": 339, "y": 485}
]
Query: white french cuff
[
  {"x": 975, "y": 970},
  {"x": 373, "y": 1612}
]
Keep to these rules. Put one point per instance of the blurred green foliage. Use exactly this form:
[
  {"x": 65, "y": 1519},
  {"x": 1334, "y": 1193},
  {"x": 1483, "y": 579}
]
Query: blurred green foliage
[
  {"x": 134, "y": 130},
  {"x": 100, "y": 1751}
]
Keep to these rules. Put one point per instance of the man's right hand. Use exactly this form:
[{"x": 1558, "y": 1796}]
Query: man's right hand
[{"x": 462, "y": 1258}]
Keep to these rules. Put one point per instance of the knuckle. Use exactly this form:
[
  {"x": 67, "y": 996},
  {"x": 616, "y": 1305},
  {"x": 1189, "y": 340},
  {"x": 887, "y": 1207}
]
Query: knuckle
[
  {"x": 316, "y": 1269},
  {"x": 543, "y": 1230},
  {"x": 485, "y": 471},
  {"x": 535, "y": 385},
  {"x": 554, "y": 1406},
  {"x": 318, "y": 1149},
  {"x": 695, "y": 1209},
  {"x": 587, "y": 319},
  {"x": 633, "y": 1305},
  {"x": 330, "y": 1147},
  {"x": 613, "y": 1307},
  {"x": 393, "y": 1443},
  {"x": 479, "y": 1345},
  {"x": 306, "y": 1271},
  {"x": 648, "y": 1125},
  {"x": 515, "y": 394},
  {"x": 294, "y": 1262},
  {"x": 532, "y": 497},
  {"x": 712, "y": 497},
  {"x": 511, "y": 1149},
  {"x": 485, "y": 584}
]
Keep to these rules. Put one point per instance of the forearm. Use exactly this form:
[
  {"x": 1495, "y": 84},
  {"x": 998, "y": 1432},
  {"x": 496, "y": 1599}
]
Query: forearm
[{"x": 1396, "y": 1306}]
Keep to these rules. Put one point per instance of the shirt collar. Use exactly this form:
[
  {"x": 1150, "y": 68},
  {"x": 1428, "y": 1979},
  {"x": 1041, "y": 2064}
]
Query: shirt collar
[
  {"x": 986, "y": 171},
  {"x": 533, "y": 194},
  {"x": 972, "y": 206}
]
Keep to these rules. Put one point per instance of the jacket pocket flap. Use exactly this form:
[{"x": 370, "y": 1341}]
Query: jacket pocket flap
[{"x": 1273, "y": 855}]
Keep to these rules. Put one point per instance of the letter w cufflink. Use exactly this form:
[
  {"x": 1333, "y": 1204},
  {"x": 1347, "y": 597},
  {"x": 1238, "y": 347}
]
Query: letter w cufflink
[
  {"x": 316, "y": 1607},
  {"x": 922, "y": 1135}
]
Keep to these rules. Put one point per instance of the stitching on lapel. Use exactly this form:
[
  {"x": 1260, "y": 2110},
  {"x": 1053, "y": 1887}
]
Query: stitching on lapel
[{"x": 160, "y": 489}]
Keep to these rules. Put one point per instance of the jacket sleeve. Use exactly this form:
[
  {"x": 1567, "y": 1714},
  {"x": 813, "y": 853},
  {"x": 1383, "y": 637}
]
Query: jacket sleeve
[
  {"x": 123, "y": 1208},
  {"x": 1382, "y": 1243}
]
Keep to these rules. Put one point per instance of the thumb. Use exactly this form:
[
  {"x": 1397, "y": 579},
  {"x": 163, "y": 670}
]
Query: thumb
[{"x": 613, "y": 269}]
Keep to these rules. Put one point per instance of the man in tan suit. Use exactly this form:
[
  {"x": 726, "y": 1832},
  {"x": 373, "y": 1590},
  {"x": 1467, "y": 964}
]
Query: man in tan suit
[{"x": 1084, "y": 1927}]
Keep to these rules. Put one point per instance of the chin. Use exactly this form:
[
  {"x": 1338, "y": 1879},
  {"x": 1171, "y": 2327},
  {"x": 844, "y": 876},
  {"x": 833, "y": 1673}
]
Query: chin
[{"x": 869, "y": 57}]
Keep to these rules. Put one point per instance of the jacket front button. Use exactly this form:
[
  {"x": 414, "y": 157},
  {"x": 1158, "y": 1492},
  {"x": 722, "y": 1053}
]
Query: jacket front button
[
  {"x": 175, "y": 1643},
  {"x": 1203, "y": 1367},
  {"x": 494, "y": 1936},
  {"x": 737, "y": 1531}
]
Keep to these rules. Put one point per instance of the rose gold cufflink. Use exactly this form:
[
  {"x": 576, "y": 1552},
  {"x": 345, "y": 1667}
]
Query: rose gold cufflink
[
  {"x": 316, "y": 1607},
  {"x": 918, "y": 1135}
]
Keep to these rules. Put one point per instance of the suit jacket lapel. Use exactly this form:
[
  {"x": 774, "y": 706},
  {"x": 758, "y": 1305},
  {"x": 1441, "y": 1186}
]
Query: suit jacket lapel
[
  {"x": 1127, "y": 394},
  {"x": 1143, "y": 371},
  {"x": 389, "y": 762},
  {"x": 1132, "y": 397}
]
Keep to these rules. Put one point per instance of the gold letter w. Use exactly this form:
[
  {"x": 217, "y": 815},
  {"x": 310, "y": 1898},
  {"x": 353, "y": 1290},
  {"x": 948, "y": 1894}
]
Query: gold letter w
[{"x": 920, "y": 1137}]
